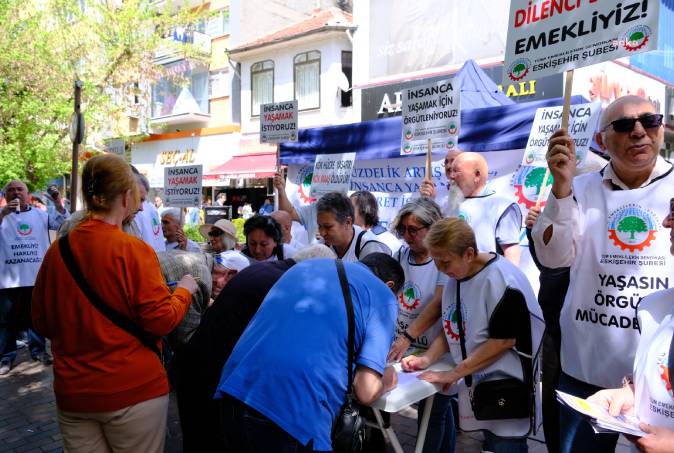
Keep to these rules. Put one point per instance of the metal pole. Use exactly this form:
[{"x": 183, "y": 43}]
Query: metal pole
[{"x": 76, "y": 145}]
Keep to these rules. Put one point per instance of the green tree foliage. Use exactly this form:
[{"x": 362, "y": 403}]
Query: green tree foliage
[
  {"x": 632, "y": 224},
  {"x": 46, "y": 45}
]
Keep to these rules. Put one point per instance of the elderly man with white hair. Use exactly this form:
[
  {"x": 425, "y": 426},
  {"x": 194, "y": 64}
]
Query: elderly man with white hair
[{"x": 172, "y": 226}]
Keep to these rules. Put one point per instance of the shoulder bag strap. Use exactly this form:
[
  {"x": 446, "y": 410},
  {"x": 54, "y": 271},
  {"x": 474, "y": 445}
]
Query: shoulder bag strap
[
  {"x": 671, "y": 358},
  {"x": 115, "y": 317},
  {"x": 462, "y": 338},
  {"x": 352, "y": 324},
  {"x": 360, "y": 238}
]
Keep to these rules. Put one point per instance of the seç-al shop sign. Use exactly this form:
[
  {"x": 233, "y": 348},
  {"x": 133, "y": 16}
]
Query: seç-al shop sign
[{"x": 151, "y": 157}]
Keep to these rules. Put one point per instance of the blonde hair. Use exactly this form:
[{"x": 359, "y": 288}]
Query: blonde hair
[
  {"x": 452, "y": 234},
  {"x": 104, "y": 178}
]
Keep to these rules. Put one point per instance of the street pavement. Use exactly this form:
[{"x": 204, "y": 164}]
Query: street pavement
[{"x": 28, "y": 416}]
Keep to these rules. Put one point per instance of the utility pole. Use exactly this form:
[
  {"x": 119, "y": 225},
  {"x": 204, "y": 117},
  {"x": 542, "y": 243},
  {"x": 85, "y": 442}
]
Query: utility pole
[{"x": 76, "y": 136}]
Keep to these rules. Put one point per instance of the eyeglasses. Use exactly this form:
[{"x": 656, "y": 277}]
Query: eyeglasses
[
  {"x": 648, "y": 121},
  {"x": 214, "y": 233},
  {"x": 412, "y": 231}
]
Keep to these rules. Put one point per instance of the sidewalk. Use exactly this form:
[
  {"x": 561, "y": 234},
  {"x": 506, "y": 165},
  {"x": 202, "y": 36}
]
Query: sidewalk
[{"x": 28, "y": 417}]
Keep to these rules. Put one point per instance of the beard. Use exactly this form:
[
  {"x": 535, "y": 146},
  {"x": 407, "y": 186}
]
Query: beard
[{"x": 454, "y": 199}]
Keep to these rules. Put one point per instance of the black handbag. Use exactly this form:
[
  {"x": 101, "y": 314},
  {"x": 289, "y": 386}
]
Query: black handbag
[
  {"x": 348, "y": 428},
  {"x": 499, "y": 399}
]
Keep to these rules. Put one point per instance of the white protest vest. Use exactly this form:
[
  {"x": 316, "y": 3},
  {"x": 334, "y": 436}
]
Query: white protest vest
[
  {"x": 420, "y": 283},
  {"x": 622, "y": 256},
  {"x": 25, "y": 240},
  {"x": 149, "y": 224},
  {"x": 483, "y": 213},
  {"x": 653, "y": 392},
  {"x": 368, "y": 238},
  {"x": 480, "y": 295}
]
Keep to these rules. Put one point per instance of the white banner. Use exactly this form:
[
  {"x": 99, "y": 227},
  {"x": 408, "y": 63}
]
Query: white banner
[
  {"x": 430, "y": 112},
  {"x": 394, "y": 182},
  {"x": 182, "y": 186},
  {"x": 551, "y": 36},
  {"x": 332, "y": 173},
  {"x": 278, "y": 122}
]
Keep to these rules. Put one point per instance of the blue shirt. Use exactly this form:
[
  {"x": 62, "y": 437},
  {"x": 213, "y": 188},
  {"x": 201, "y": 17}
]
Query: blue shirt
[{"x": 290, "y": 362}]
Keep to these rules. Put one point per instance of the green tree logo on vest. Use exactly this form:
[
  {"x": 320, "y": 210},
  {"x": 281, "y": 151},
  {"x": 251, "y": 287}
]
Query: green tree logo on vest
[
  {"x": 663, "y": 369},
  {"x": 519, "y": 69},
  {"x": 527, "y": 183},
  {"x": 463, "y": 215},
  {"x": 410, "y": 297},
  {"x": 451, "y": 323},
  {"x": 155, "y": 226},
  {"x": 636, "y": 37},
  {"x": 303, "y": 181},
  {"x": 24, "y": 229},
  {"x": 632, "y": 228}
]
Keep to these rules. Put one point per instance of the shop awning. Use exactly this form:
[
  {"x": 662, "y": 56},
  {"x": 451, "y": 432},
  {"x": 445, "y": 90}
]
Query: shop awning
[{"x": 257, "y": 165}]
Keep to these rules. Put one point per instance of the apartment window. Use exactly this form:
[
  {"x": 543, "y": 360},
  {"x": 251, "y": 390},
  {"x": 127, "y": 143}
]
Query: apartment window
[
  {"x": 183, "y": 89},
  {"x": 347, "y": 96},
  {"x": 261, "y": 85},
  {"x": 217, "y": 25},
  {"x": 218, "y": 85},
  {"x": 307, "y": 67}
]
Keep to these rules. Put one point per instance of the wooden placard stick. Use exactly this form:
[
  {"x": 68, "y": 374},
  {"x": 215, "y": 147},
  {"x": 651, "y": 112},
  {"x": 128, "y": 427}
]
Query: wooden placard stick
[
  {"x": 429, "y": 158},
  {"x": 568, "y": 86}
]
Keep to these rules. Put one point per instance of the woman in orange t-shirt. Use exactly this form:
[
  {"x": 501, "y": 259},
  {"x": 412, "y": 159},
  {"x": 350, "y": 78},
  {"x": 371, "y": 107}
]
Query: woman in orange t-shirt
[{"x": 111, "y": 390}]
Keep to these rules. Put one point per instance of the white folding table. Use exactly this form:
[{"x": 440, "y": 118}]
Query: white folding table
[{"x": 408, "y": 391}]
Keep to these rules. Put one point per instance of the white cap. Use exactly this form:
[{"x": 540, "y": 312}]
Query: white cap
[{"x": 232, "y": 259}]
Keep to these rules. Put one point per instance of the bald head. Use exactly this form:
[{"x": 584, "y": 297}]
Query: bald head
[
  {"x": 616, "y": 108},
  {"x": 469, "y": 173},
  {"x": 286, "y": 222}
]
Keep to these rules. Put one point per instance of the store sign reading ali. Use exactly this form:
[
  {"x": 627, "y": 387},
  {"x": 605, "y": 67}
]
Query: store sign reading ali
[{"x": 177, "y": 157}]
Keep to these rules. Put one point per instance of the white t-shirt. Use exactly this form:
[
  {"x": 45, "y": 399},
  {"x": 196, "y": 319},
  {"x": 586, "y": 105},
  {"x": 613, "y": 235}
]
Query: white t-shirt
[
  {"x": 24, "y": 240},
  {"x": 368, "y": 244},
  {"x": 149, "y": 225}
]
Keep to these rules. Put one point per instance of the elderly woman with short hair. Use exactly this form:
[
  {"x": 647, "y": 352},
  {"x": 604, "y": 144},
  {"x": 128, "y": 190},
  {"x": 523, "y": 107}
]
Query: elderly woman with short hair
[
  {"x": 419, "y": 308},
  {"x": 492, "y": 327}
]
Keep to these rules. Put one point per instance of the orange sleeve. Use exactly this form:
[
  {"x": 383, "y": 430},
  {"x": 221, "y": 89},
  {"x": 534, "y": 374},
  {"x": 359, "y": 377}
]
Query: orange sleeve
[{"x": 158, "y": 311}]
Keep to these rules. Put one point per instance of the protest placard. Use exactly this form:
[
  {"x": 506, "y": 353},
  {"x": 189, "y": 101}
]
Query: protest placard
[
  {"x": 182, "y": 186},
  {"x": 278, "y": 122},
  {"x": 332, "y": 173},
  {"x": 551, "y": 36},
  {"x": 430, "y": 112},
  {"x": 583, "y": 120}
]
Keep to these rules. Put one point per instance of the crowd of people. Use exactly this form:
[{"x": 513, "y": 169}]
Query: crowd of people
[{"x": 253, "y": 336}]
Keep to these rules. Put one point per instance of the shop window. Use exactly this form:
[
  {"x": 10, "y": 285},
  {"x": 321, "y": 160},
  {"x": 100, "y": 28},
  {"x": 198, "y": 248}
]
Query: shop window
[
  {"x": 347, "y": 96},
  {"x": 219, "y": 84},
  {"x": 183, "y": 89},
  {"x": 261, "y": 85},
  {"x": 307, "y": 69}
]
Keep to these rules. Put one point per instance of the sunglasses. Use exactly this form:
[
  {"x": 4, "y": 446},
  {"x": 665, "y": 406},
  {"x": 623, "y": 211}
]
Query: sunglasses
[
  {"x": 412, "y": 231},
  {"x": 215, "y": 233},
  {"x": 648, "y": 121}
]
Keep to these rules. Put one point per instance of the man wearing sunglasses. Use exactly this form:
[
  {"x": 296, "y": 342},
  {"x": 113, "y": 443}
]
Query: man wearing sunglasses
[{"x": 607, "y": 226}]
